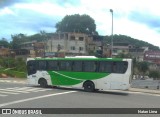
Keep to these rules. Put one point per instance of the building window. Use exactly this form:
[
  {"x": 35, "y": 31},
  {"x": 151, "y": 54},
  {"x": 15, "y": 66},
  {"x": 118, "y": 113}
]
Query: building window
[
  {"x": 80, "y": 48},
  {"x": 81, "y": 38},
  {"x": 73, "y": 48},
  {"x": 72, "y": 38}
]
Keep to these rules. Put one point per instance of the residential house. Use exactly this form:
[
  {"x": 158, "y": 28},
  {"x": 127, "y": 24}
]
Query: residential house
[
  {"x": 120, "y": 48},
  {"x": 4, "y": 52},
  {"x": 138, "y": 52},
  {"x": 68, "y": 43},
  {"x": 34, "y": 48}
]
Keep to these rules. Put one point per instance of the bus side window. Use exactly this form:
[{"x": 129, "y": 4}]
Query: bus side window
[
  {"x": 105, "y": 66},
  {"x": 65, "y": 65},
  {"x": 125, "y": 66},
  {"x": 42, "y": 65},
  {"x": 89, "y": 66},
  {"x": 69, "y": 65},
  {"x": 31, "y": 67},
  {"x": 114, "y": 67},
  {"x": 120, "y": 67},
  {"x": 53, "y": 65},
  {"x": 62, "y": 65},
  {"x": 96, "y": 66},
  {"x": 77, "y": 66}
]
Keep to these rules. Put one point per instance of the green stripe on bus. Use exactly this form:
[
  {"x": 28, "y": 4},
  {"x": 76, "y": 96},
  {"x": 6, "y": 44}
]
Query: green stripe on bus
[{"x": 73, "y": 78}]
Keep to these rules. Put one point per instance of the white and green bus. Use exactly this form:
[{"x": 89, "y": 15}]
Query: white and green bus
[{"x": 89, "y": 73}]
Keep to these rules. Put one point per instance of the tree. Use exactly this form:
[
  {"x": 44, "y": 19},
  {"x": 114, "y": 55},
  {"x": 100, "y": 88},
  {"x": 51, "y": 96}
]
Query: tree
[
  {"x": 126, "y": 39},
  {"x": 17, "y": 40},
  {"x": 77, "y": 23},
  {"x": 4, "y": 43},
  {"x": 154, "y": 74},
  {"x": 143, "y": 67},
  {"x": 36, "y": 37}
]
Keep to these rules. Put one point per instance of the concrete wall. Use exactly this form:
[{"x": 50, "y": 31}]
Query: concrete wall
[{"x": 147, "y": 84}]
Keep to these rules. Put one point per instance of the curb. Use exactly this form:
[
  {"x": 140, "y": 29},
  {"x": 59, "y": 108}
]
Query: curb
[{"x": 145, "y": 91}]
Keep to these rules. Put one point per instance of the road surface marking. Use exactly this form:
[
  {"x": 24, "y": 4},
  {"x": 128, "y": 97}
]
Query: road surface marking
[
  {"x": 13, "y": 88},
  {"x": 13, "y": 81},
  {"x": 41, "y": 90},
  {"x": 34, "y": 98},
  {"x": 19, "y": 82},
  {"x": 19, "y": 90},
  {"x": 2, "y": 95},
  {"x": 5, "y": 81},
  {"x": 8, "y": 92},
  {"x": 32, "y": 89}
]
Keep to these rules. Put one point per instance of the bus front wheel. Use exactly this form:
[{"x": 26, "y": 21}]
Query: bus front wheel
[
  {"x": 89, "y": 86},
  {"x": 43, "y": 83}
]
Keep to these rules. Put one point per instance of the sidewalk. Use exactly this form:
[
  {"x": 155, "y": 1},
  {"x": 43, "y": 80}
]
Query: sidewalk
[
  {"x": 10, "y": 78},
  {"x": 145, "y": 90},
  {"x": 14, "y": 80}
]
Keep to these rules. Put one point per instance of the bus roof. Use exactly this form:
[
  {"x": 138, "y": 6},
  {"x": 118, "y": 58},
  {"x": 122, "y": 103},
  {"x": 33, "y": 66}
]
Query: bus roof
[{"x": 82, "y": 58}]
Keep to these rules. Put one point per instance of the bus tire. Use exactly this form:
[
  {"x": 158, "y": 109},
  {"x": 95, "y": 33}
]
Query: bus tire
[
  {"x": 43, "y": 83},
  {"x": 89, "y": 86}
]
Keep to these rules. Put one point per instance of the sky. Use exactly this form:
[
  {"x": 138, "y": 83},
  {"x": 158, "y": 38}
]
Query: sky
[{"x": 139, "y": 19}]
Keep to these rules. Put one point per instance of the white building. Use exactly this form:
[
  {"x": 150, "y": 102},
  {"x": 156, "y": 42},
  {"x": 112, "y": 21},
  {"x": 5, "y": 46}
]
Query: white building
[{"x": 68, "y": 43}]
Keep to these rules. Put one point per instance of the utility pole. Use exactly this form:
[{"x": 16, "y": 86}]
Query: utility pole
[{"x": 112, "y": 34}]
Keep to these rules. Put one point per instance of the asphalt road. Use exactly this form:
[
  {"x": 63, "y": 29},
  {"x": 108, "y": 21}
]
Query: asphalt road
[{"x": 14, "y": 95}]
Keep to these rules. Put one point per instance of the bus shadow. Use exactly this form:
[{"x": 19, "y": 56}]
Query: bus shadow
[
  {"x": 113, "y": 93},
  {"x": 95, "y": 92},
  {"x": 120, "y": 93}
]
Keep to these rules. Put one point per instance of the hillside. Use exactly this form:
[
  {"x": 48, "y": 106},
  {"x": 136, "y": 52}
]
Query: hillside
[{"x": 130, "y": 40}]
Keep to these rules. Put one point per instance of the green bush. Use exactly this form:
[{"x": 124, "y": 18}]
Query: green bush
[
  {"x": 18, "y": 64},
  {"x": 154, "y": 74},
  {"x": 16, "y": 74},
  {"x": 13, "y": 67}
]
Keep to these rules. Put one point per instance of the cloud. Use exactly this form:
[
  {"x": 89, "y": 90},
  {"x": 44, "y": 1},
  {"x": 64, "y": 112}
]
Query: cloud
[
  {"x": 6, "y": 11},
  {"x": 29, "y": 17},
  {"x": 26, "y": 21},
  {"x": 6, "y": 3},
  {"x": 67, "y": 2},
  {"x": 138, "y": 19},
  {"x": 151, "y": 20}
]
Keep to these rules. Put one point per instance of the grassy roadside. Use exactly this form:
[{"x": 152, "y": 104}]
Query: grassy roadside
[{"x": 12, "y": 73}]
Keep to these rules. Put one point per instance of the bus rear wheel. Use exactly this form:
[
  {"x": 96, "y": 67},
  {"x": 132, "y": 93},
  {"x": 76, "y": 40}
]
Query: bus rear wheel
[
  {"x": 43, "y": 83},
  {"x": 89, "y": 86}
]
